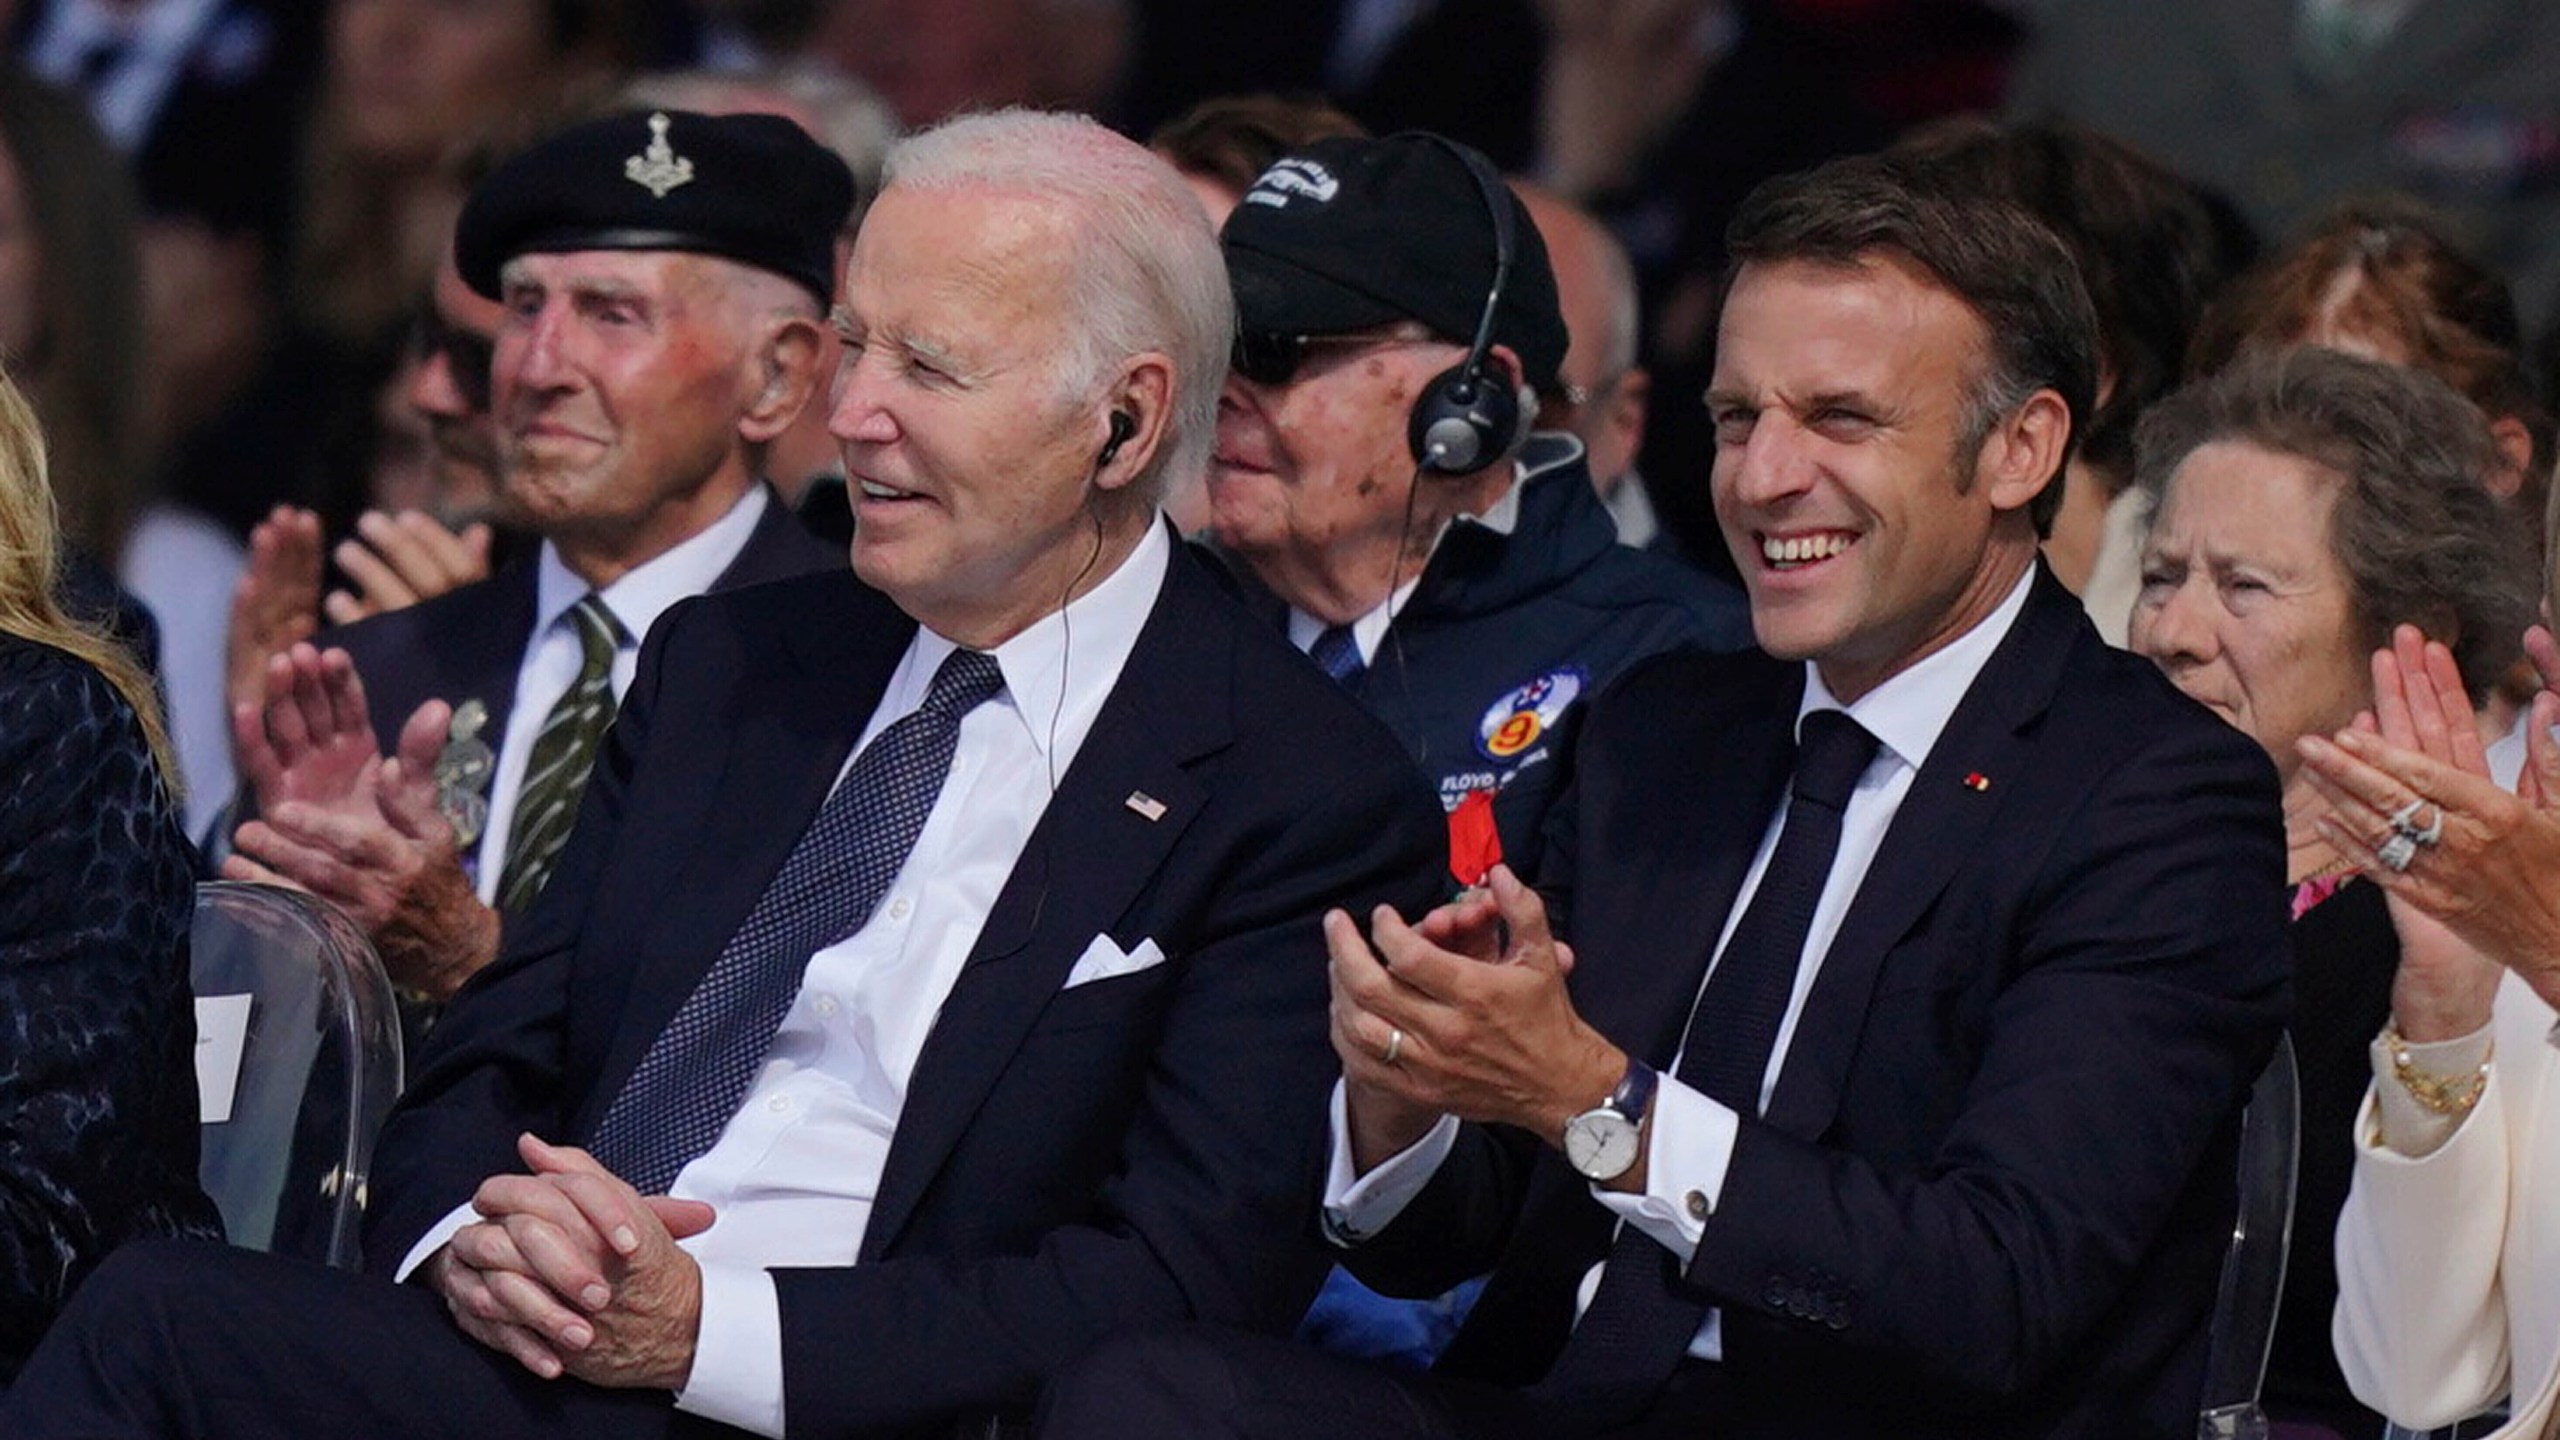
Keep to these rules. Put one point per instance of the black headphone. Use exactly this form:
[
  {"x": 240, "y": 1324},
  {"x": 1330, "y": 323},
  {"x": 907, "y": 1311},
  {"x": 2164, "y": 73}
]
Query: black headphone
[{"x": 1468, "y": 417}]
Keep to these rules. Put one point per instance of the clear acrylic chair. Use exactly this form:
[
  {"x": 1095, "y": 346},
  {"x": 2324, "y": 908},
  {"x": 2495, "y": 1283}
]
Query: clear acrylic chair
[
  {"x": 298, "y": 1059},
  {"x": 2244, "y": 1312}
]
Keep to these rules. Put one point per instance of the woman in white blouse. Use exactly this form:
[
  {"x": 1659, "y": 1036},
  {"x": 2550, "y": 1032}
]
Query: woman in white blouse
[{"x": 2449, "y": 1246}]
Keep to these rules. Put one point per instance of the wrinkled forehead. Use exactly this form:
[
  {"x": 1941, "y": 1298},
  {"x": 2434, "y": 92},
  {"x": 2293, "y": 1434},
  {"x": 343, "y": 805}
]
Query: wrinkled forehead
[
  {"x": 1000, "y": 233},
  {"x": 1875, "y": 313},
  {"x": 638, "y": 272}
]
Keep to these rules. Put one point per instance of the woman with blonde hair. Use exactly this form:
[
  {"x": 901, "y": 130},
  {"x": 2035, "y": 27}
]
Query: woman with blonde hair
[{"x": 97, "y": 1078}]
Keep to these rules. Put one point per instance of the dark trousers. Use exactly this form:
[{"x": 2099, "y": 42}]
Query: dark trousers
[
  {"x": 1205, "y": 1384},
  {"x": 193, "y": 1339}
]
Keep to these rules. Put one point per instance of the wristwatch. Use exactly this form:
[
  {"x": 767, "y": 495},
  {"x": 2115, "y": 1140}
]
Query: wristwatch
[{"x": 1604, "y": 1140}]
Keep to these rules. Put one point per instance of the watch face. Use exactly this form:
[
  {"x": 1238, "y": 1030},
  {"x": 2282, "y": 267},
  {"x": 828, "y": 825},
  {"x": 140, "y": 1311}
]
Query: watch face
[{"x": 1600, "y": 1143}]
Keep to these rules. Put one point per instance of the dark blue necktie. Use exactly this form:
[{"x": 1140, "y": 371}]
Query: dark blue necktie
[
  {"x": 690, "y": 1081},
  {"x": 1337, "y": 653},
  {"x": 1642, "y": 1318}
]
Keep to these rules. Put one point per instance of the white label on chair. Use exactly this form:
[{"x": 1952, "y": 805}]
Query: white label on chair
[{"x": 222, "y": 1032}]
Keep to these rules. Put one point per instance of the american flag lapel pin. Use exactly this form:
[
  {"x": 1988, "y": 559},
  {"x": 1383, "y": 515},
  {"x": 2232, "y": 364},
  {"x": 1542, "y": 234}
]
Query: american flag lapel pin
[
  {"x": 1976, "y": 781},
  {"x": 1145, "y": 804}
]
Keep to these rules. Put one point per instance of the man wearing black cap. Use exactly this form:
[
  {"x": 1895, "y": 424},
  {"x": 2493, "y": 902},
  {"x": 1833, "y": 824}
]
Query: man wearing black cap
[
  {"x": 934, "y": 984},
  {"x": 1377, "y": 478},
  {"x": 663, "y": 277}
]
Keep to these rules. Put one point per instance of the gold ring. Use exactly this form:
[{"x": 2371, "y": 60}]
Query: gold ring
[{"x": 1395, "y": 1046}]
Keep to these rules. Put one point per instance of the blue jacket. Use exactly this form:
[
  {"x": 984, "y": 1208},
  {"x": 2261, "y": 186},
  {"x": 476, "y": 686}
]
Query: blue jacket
[{"x": 1484, "y": 671}]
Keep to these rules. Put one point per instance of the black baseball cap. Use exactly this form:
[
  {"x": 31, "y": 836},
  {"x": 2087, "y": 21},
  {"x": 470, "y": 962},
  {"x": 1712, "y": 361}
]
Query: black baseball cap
[
  {"x": 750, "y": 188},
  {"x": 1352, "y": 233}
]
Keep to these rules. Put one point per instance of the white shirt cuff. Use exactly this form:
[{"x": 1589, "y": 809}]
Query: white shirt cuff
[
  {"x": 435, "y": 1238},
  {"x": 2407, "y": 1127},
  {"x": 1688, "y": 1148},
  {"x": 1357, "y": 1207},
  {"x": 737, "y": 1352}
]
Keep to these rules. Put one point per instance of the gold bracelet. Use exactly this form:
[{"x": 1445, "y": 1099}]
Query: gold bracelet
[{"x": 2451, "y": 1095}]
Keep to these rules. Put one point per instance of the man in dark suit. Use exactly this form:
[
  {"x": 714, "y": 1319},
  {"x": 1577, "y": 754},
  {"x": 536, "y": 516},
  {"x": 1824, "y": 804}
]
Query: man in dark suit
[
  {"x": 1920, "y": 961},
  {"x": 655, "y": 341},
  {"x": 1012, "y": 1039}
]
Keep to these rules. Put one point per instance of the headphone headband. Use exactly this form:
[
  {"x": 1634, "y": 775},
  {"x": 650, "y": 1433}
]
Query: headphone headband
[{"x": 1464, "y": 420}]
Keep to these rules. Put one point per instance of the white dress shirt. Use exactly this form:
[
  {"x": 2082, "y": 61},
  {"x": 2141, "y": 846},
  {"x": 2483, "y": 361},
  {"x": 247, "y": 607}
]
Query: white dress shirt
[
  {"x": 552, "y": 662},
  {"x": 794, "y": 1174},
  {"x": 1692, "y": 1137}
]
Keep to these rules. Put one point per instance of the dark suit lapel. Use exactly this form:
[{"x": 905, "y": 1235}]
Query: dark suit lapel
[
  {"x": 1089, "y": 857},
  {"x": 1940, "y": 827},
  {"x": 749, "y": 800},
  {"x": 1711, "y": 819},
  {"x": 778, "y": 548},
  {"x": 492, "y": 649}
]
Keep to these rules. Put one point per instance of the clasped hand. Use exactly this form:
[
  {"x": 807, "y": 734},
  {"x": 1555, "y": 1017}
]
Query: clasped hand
[
  {"x": 1476, "y": 991},
  {"x": 571, "y": 1271}
]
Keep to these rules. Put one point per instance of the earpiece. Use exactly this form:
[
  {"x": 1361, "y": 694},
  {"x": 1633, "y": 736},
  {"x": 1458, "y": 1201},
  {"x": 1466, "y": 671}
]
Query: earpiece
[
  {"x": 1465, "y": 420},
  {"x": 1124, "y": 427},
  {"x": 1468, "y": 417}
]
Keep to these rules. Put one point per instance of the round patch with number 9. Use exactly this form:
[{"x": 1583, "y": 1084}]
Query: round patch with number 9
[{"x": 1523, "y": 716}]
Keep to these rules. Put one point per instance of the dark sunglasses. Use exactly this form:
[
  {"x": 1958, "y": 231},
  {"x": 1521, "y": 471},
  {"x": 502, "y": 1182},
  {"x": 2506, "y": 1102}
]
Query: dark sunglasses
[
  {"x": 1271, "y": 357},
  {"x": 466, "y": 356}
]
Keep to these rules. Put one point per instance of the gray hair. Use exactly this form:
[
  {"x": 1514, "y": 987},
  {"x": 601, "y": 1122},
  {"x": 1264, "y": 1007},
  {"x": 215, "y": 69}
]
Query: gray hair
[
  {"x": 1145, "y": 274},
  {"x": 2421, "y": 539}
]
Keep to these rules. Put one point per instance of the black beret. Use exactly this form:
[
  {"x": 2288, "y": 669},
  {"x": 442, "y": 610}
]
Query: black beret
[
  {"x": 750, "y": 188},
  {"x": 1347, "y": 234}
]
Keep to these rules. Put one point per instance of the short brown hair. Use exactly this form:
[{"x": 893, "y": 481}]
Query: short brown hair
[
  {"x": 2413, "y": 285},
  {"x": 2144, "y": 237},
  {"x": 2006, "y": 267},
  {"x": 2420, "y": 538},
  {"x": 1232, "y": 139}
]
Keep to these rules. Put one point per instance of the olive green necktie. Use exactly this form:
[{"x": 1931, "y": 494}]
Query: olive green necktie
[{"x": 563, "y": 753}]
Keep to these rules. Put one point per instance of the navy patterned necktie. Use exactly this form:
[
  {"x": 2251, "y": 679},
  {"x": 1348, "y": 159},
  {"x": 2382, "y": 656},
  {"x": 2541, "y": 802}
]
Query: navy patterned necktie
[
  {"x": 693, "y": 1076},
  {"x": 1337, "y": 653},
  {"x": 564, "y": 752},
  {"x": 1641, "y": 1318}
]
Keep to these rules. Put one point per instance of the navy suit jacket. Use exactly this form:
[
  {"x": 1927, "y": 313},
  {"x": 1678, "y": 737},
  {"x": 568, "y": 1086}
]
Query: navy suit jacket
[
  {"x": 468, "y": 643},
  {"x": 1070, "y": 1162},
  {"x": 1993, "y": 1188}
]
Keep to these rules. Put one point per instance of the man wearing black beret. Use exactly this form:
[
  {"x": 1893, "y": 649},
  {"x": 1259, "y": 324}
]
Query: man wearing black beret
[
  {"x": 934, "y": 984},
  {"x": 663, "y": 277}
]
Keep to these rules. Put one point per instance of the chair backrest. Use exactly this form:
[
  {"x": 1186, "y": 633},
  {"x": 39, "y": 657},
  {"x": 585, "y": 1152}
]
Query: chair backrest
[
  {"x": 2244, "y": 1312},
  {"x": 298, "y": 1059}
]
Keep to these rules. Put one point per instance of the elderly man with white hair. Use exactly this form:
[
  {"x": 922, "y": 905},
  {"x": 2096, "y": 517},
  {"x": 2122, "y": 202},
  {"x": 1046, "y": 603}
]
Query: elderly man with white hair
[{"x": 933, "y": 984}]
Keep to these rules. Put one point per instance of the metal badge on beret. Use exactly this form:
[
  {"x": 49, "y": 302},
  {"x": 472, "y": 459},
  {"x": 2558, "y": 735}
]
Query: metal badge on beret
[
  {"x": 463, "y": 773},
  {"x": 659, "y": 168}
]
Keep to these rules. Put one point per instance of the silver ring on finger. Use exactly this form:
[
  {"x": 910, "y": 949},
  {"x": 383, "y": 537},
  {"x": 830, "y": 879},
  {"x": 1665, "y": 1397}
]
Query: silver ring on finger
[
  {"x": 2396, "y": 851},
  {"x": 2433, "y": 832},
  {"x": 1395, "y": 1047}
]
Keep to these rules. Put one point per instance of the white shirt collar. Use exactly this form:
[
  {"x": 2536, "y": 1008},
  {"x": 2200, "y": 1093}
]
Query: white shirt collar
[
  {"x": 1907, "y": 712},
  {"x": 1368, "y": 631},
  {"x": 648, "y": 589},
  {"x": 1058, "y": 671}
]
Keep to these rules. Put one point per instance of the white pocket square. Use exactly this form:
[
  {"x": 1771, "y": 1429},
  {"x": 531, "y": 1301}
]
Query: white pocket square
[{"x": 1102, "y": 960}]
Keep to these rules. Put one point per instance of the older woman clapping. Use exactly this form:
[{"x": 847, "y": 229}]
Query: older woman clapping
[
  {"x": 2307, "y": 503},
  {"x": 2449, "y": 1246}
]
